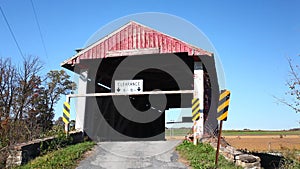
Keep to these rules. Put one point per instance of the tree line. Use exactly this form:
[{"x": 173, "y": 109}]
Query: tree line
[{"x": 27, "y": 99}]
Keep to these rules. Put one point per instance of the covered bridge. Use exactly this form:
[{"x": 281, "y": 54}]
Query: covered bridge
[{"x": 162, "y": 62}]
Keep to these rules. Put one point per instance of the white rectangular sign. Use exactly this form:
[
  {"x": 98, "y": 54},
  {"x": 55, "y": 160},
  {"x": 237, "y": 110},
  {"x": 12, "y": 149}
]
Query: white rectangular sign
[{"x": 128, "y": 86}]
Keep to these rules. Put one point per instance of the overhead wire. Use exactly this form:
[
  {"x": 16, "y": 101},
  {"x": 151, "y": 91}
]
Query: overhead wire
[
  {"x": 39, "y": 28},
  {"x": 11, "y": 31}
]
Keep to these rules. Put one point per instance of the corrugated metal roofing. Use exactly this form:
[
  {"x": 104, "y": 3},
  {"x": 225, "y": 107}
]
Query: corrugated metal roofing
[{"x": 129, "y": 39}]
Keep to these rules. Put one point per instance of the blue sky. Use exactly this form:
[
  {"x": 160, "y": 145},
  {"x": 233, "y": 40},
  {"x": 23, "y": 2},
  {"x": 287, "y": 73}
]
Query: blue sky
[{"x": 252, "y": 39}]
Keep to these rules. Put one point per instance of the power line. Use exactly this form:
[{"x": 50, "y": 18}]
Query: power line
[
  {"x": 38, "y": 24},
  {"x": 11, "y": 32}
]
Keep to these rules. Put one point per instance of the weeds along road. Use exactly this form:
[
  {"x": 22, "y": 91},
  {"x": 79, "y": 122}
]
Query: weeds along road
[{"x": 133, "y": 155}]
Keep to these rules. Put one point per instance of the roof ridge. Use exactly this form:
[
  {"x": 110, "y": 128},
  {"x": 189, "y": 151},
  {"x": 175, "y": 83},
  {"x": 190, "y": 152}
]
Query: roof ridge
[{"x": 114, "y": 32}]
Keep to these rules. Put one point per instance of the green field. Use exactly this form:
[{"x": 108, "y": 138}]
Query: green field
[
  {"x": 259, "y": 132},
  {"x": 184, "y": 131},
  {"x": 177, "y": 132}
]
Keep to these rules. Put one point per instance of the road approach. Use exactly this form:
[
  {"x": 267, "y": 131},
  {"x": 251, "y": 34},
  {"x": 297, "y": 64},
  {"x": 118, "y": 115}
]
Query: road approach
[{"x": 133, "y": 155}]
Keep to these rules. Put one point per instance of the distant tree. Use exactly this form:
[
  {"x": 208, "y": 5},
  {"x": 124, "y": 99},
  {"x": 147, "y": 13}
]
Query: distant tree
[
  {"x": 56, "y": 83},
  {"x": 59, "y": 122},
  {"x": 293, "y": 84}
]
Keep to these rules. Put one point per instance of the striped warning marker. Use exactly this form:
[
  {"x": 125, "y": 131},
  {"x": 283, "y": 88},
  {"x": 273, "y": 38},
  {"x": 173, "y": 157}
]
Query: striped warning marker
[
  {"x": 66, "y": 113},
  {"x": 223, "y": 105},
  {"x": 195, "y": 109}
]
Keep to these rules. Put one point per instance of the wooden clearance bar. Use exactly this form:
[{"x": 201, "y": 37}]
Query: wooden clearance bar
[
  {"x": 122, "y": 94},
  {"x": 66, "y": 104}
]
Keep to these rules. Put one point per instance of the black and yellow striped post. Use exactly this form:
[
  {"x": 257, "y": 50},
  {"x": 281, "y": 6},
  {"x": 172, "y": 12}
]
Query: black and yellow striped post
[
  {"x": 195, "y": 116},
  {"x": 223, "y": 105},
  {"x": 222, "y": 116},
  {"x": 195, "y": 109},
  {"x": 66, "y": 116}
]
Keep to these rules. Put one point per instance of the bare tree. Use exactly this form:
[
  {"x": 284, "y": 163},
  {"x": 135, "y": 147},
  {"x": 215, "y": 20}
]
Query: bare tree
[
  {"x": 7, "y": 86},
  {"x": 7, "y": 95},
  {"x": 293, "y": 84},
  {"x": 28, "y": 80}
]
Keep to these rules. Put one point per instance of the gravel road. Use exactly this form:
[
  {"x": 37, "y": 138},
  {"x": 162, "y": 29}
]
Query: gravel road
[{"x": 133, "y": 155}]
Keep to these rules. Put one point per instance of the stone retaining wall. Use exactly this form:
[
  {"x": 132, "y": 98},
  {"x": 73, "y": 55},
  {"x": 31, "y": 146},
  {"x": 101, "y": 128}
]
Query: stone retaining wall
[
  {"x": 247, "y": 161},
  {"x": 22, "y": 153}
]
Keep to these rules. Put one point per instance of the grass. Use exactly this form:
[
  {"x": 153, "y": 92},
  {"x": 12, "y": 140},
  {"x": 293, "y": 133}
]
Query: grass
[
  {"x": 202, "y": 156},
  {"x": 292, "y": 159},
  {"x": 177, "y": 131},
  {"x": 258, "y": 132},
  {"x": 63, "y": 158}
]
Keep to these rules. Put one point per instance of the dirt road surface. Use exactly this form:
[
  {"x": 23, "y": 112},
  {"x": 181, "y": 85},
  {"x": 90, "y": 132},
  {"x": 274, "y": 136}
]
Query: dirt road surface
[{"x": 133, "y": 155}]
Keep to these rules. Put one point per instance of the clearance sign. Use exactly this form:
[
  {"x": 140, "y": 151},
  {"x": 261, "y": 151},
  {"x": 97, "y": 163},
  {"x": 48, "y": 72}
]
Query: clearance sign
[{"x": 128, "y": 86}]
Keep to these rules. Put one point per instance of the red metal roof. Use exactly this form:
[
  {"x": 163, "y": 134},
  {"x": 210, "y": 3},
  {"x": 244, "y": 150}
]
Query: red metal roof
[{"x": 133, "y": 38}]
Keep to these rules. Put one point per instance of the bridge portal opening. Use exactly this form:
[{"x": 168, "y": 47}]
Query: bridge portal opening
[{"x": 108, "y": 123}]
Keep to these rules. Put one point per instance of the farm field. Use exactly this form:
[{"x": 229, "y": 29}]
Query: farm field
[
  {"x": 266, "y": 141},
  {"x": 252, "y": 140},
  {"x": 184, "y": 131},
  {"x": 259, "y": 132}
]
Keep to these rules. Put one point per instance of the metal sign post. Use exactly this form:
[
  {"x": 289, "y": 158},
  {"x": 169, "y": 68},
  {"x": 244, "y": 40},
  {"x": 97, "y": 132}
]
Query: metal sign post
[
  {"x": 218, "y": 144},
  {"x": 222, "y": 116}
]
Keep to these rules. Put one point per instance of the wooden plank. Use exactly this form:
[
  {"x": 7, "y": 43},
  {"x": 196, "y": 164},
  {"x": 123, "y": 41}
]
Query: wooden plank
[
  {"x": 121, "y": 94},
  {"x": 132, "y": 52}
]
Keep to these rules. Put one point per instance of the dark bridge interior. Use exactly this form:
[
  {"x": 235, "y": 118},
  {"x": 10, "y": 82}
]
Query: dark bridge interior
[{"x": 105, "y": 122}]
